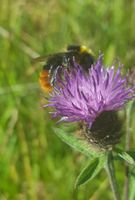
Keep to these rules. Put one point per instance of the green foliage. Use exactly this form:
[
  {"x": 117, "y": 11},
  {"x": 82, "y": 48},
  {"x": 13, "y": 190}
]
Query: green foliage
[
  {"x": 34, "y": 163},
  {"x": 80, "y": 144},
  {"x": 132, "y": 183},
  {"x": 127, "y": 156},
  {"x": 91, "y": 170}
]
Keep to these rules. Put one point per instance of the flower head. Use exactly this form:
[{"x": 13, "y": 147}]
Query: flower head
[{"x": 81, "y": 96}]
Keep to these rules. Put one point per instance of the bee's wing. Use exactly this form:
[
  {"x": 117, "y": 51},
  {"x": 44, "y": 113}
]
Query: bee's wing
[
  {"x": 44, "y": 58},
  {"x": 40, "y": 59}
]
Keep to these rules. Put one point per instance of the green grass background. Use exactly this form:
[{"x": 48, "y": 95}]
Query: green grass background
[{"x": 34, "y": 163}]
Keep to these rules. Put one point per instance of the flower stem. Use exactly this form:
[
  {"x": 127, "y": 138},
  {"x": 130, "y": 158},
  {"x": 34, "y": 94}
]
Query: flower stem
[
  {"x": 127, "y": 148},
  {"x": 111, "y": 173}
]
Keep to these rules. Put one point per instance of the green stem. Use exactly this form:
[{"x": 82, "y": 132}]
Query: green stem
[
  {"x": 127, "y": 148},
  {"x": 112, "y": 178}
]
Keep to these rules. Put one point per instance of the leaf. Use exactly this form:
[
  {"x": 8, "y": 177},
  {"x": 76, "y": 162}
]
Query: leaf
[
  {"x": 78, "y": 144},
  {"x": 127, "y": 156},
  {"x": 90, "y": 171},
  {"x": 132, "y": 184}
]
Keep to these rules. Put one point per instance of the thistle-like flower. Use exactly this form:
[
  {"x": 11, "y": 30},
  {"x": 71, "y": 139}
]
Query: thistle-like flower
[{"x": 88, "y": 97}]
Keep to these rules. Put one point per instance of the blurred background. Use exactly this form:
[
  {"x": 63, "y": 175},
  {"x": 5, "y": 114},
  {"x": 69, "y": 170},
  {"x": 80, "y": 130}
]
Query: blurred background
[{"x": 34, "y": 163}]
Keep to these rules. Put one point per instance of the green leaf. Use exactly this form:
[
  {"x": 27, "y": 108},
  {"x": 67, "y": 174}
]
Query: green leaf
[
  {"x": 78, "y": 144},
  {"x": 90, "y": 171},
  {"x": 132, "y": 184},
  {"x": 127, "y": 156}
]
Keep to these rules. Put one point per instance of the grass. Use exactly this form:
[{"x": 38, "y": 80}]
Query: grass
[{"x": 34, "y": 163}]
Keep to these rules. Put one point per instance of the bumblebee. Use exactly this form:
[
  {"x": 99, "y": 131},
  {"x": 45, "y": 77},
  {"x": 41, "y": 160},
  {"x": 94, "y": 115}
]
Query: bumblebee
[{"x": 80, "y": 53}]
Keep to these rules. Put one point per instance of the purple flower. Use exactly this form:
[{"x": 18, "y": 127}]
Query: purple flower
[{"x": 81, "y": 96}]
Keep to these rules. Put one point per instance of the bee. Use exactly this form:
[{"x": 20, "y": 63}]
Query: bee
[{"x": 80, "y": 53}]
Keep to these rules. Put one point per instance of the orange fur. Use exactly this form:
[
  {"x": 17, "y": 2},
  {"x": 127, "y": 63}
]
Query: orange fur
[{"x": 44, "y": 81}]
